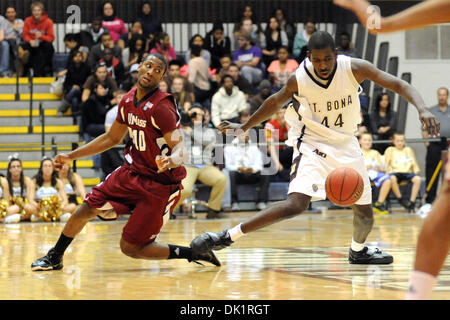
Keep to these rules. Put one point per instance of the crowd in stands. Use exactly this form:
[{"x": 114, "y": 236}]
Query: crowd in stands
[{"x": 220, "y": 77}]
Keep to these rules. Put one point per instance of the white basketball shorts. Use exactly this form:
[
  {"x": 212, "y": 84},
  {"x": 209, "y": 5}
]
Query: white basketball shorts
[{"x": 313, "y": 161}]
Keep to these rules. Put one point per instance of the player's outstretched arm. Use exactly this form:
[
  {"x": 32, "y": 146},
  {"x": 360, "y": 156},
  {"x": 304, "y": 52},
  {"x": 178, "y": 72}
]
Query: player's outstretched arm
[
  {"x": 420, "y": 15},
  {"x": 363, "y": 69},
  {"x": 266, "y": 110},
  {"x": 98, "y": 145}
]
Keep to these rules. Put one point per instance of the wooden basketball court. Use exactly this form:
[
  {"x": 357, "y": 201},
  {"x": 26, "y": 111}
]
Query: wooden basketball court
[{"x": 302, "y": 258}]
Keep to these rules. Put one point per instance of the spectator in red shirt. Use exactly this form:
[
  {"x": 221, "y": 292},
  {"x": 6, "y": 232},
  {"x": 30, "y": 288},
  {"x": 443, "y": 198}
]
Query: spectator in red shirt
[
  {"x": 37, "y": 50},
  {"x": 115, "y": 25},
  {"x": 277, "y": 131}
]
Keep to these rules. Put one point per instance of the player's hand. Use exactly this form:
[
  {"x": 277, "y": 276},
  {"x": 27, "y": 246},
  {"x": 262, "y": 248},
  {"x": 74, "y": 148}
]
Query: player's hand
[
  {"x": 164, "y": 163},
  {"x": 60, "y": 160},
  {"x": 430, "y": 123},
  {"x": 230, "y": 128}
]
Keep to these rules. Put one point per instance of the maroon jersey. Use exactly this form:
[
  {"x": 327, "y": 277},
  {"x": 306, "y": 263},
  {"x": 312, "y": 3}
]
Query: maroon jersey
[{"x": 148, "y": 120}]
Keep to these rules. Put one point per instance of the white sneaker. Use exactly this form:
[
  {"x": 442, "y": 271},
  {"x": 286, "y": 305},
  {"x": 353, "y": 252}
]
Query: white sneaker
[
  {"x": 235, "y": 207},
  {"x": 65, "y": 217},
  {"x": 34, "y": 218},
  {"x": 14, "y": 218},
  {"x": 261, "y": 205}
]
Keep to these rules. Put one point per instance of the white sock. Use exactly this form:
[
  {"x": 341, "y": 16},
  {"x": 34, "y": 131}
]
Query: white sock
[
  {"x": 357, "y": 246},
  {"x": 65, "y": 217},
  {"x": 421, "y": 285},
  {"x": 235, "y": 232},
  {"x": 14, "y": 218}
]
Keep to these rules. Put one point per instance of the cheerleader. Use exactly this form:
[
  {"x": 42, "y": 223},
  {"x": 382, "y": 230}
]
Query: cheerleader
[
  {"x": 48, "y": 198},
  {"x": 73, "y": 186},
  {"x": 19, "y": 186}
]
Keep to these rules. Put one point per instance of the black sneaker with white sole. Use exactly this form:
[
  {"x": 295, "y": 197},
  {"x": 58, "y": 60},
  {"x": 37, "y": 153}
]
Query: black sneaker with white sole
[
  {"x": 51, "y": 261},
  {"x": 211, "y": 241},
  {"x": 369, "y": 256}
]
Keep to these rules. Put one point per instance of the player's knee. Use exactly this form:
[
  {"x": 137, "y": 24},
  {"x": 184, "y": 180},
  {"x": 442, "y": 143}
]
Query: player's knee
[
  {"x": 296, "y": 205},
  {"x": 85, "y": 211},
  {"x": 129, "y": 249}
]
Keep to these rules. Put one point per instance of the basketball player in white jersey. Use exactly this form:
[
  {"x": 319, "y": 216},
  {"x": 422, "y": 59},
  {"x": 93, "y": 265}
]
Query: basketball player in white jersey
[{"x": 323, "y": 118}]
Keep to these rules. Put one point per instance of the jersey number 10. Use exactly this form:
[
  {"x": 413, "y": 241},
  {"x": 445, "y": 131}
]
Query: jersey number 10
[{"x": 138, "y": 137}]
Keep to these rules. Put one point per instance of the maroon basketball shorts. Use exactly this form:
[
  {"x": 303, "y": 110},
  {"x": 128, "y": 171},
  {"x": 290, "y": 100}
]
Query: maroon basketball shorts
[{"x": 150, "y": 203}]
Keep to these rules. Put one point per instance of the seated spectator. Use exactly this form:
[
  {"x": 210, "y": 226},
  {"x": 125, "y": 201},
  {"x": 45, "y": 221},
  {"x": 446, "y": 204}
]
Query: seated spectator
[
  {"x": 244, "y": 162},
  {"x": 131, "y": 78},
  {"x": 198, "y": 41},
  {"x": 96, "y": 52},
  {"x": 302, "y": 38},
  {"x": 92, "y": 35},
  {"x": 164, "y": 47},
  {"x": 71, "y": 41},
  {"x": 273, "y": 39},
  {"x": 225, "y": 62},
  {"x": 207, "y": 119},
  {"x": 94, "y": 111},
  {"x": 77, "y": 73},
  {"x": 151, "y": 25},
  {"x": 175, "y": 71},
  {"x": 265, "y": 90},
  {"x": 248, "y": 27},
  {"x": 240, "y": 81},
  {"x": 115, "y": 67},
  {"x": 227, "y": 102},
  {"x": 217, "y": 44},
  {"x": 48, "y": 198},
  {"x": 199, "y": 76},
  {"x": 376, "y": 171},
  {"x": 112, "y": 23},
  {"x": 4, "y": 50},
  {"x": 277, "y": 132},
  {"x": 112, "y": 158},
  {"x": 135, "y": 51},
  {"x": 246, "y": 12},
  {"x": 345, "y": 46},
  {"x": 248, "y": 58},
  {"x": 382, "y": 121},
  {"x": 199, "y": 141},
  {"x": 37, "y": 49},
  {"x": 180, "y": 94},
  {"x": 100, "y": 75},
  {"x": 402, "y": 166},
  {"x": 164, "y": 86},
  {"x": 13, "y": 32},
  {"x": 286, "y": 26},
  {"x": 280, "y": 69},
  {"x": 73, "y": 186},
  {"x": 135, "y": 31}
]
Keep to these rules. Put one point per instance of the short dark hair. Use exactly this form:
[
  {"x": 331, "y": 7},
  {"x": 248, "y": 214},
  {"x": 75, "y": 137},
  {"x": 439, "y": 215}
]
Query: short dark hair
[
  {"x": 70, "y": 37},
  {"x": 160, "y": 57},
  {"x": 226, "y": 76},
  {"x": 196, "y": 50},
  {"x": 320, "y": 40}
]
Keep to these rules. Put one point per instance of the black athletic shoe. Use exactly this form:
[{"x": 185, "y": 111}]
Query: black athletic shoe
[
  {"x": 405, "y": 203},
  {"x": 369, "y": 256},
  {"x": 380, "y": 208},
  {"x": 51, "y": 261},
  {"x": 211, "y": 241},
  {"x": 213, "y": 214},
  {"x": 208, "y": 257}
]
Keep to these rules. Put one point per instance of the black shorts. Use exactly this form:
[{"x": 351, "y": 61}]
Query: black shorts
[{"x": 402, "y": 176}]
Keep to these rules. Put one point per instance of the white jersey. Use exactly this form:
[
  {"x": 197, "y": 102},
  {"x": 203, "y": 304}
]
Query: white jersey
[
  {"x": 325, "y": 112},
  {"x": 323, "y": 119}
]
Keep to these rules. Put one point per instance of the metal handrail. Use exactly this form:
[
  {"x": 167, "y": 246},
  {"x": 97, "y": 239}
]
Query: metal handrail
[{"x": 30, "y": 85}]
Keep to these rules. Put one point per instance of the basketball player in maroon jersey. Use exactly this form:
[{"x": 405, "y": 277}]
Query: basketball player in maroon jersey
[{"x": 147, "y": 185}]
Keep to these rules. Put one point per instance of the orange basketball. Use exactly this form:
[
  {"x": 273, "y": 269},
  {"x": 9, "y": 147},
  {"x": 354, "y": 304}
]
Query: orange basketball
[{"x": 344, "y": 186}]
